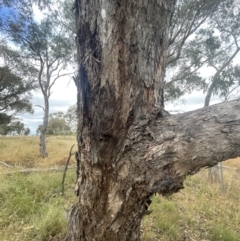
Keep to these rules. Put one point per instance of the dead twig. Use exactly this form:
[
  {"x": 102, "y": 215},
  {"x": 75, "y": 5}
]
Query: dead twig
[{"x": 66, "y": 167}]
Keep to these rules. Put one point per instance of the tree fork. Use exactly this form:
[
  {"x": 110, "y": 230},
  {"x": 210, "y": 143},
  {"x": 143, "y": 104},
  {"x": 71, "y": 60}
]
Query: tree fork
[{"x": 128, "y": 147}]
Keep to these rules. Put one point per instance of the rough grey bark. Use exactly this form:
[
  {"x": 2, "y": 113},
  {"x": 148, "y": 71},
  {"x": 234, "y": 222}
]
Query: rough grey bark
[{"x": 128, "y": 147}]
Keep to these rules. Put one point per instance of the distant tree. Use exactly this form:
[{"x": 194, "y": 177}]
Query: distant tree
[
  {"x": 71, "y": 118},
  {"x": 26, "y": 131},
  {"x": 57, "y": 125},
  {"x": 38, "y": 130},
  {"x": 16, "y": 127},
  {"x": 47, "y": 45}
]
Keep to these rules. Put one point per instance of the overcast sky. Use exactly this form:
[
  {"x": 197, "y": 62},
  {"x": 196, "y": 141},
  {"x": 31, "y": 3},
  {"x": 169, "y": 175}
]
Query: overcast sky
[{"x": 189, "y": 102}]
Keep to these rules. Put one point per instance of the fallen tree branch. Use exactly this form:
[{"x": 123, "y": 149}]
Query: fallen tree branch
[
  {"x": 32, "y": 170},
  {"x": 6, "y": 165}
]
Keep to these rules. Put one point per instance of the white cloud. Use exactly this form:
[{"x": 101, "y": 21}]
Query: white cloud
[{"x": 37, "y": 14}]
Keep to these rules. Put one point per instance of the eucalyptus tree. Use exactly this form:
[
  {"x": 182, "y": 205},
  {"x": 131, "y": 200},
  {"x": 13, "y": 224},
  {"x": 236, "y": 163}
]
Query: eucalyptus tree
[
  {"x": 71, "y": 118},
  {"x": 224, "y": 46},
  {"x": 204, "y": 34},
  {"x": 129, "y": 147},
  {"x": 14, "y": 95},
  {"x": 46, "y": 44},
  {"x": 56, "y": 126},
  {"x": 61, "y": 123},
  {"x": 212, "y": 42},
  {"x": 15, "y": 128},
  {"x": 17, "y": 79},
  {"x": 188, "y": 17}
]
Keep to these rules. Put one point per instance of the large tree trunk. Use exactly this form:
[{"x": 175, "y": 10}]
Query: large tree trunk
[{"x": 128, "y": 147}]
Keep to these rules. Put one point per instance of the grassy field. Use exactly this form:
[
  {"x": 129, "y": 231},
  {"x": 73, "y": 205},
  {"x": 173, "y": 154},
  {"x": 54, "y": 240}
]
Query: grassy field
[
  {"x": 32, "y": 207},
  {"x": 23, "y": 151}
]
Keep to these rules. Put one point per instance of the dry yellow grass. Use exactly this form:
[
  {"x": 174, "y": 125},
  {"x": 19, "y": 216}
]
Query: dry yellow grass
[
  {"x": 24, "y": 151},
  {"x": 233, "y": 162}
]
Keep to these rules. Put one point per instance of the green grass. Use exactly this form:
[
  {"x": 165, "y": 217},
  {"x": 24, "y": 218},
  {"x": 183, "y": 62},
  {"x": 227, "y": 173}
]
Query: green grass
[
  {"x": 199, "y": 212},
  {"x": 32, "y": 207},
  {"x": 220, "y": 233}
]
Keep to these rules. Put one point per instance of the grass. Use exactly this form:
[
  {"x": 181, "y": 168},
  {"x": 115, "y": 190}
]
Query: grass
[
  {"x": 32, "y": 207},
  {"x": 24, "y": 151},
  {"x": 199, "y": 212}
]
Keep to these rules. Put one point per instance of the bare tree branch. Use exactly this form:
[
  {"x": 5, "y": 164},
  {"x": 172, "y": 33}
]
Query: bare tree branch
[{"x": 66, "y": 167}]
